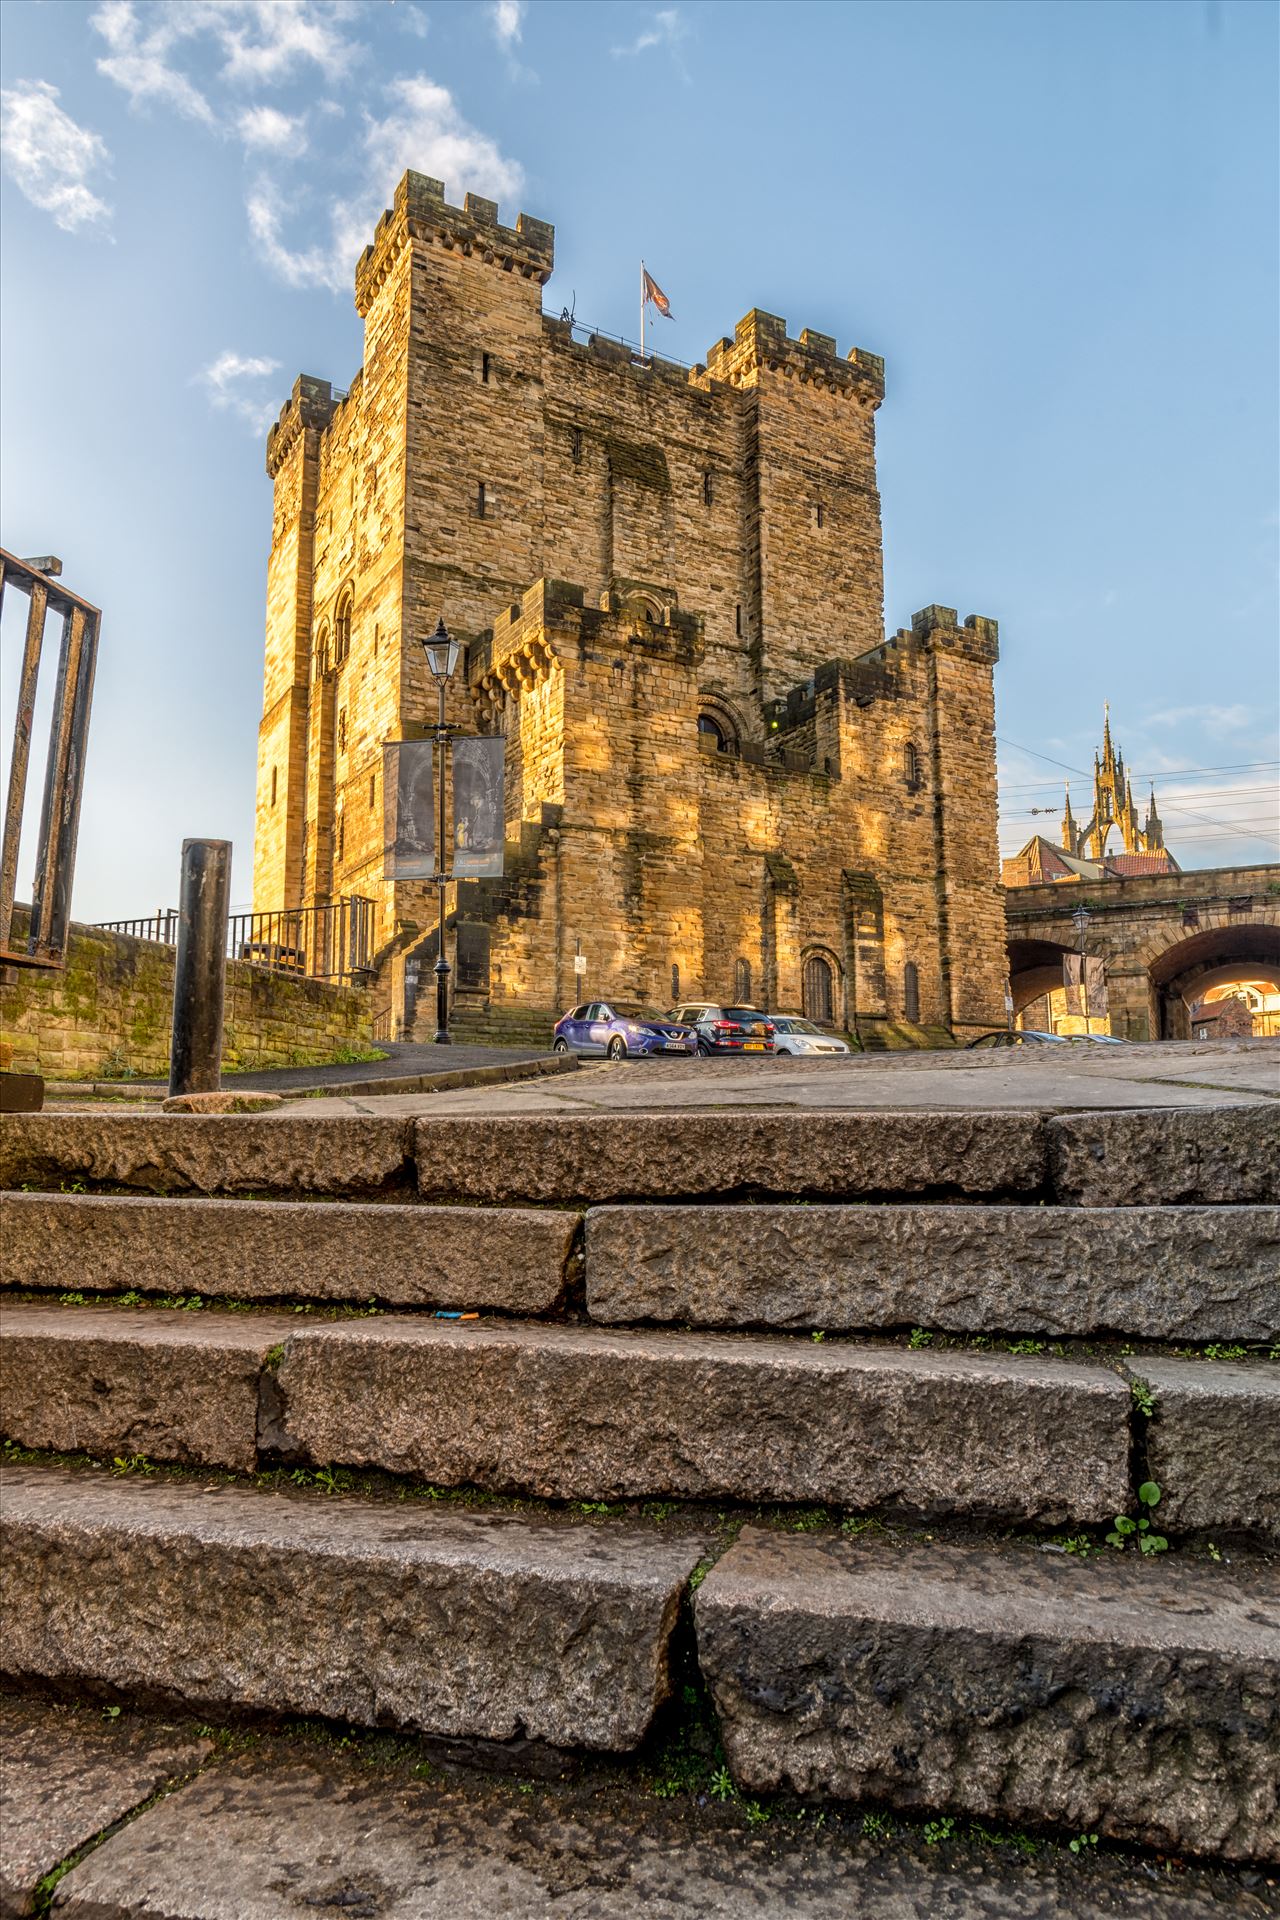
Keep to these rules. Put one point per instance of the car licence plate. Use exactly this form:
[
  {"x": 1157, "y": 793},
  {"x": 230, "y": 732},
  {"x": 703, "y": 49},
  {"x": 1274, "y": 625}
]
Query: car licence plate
[
  {"x": 676, "y": 1046},
  {"x": 753, "y": 1046}
]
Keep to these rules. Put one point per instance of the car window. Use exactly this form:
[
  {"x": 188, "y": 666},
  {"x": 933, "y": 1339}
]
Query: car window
[{"x": 579, "y": 1013}]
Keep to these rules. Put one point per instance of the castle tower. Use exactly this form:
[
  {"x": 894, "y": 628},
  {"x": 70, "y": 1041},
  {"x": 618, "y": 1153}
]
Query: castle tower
[{"x": 722, "y": 778}]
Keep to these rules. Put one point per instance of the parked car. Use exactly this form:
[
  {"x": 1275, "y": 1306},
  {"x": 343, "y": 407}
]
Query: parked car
[
  {"x": 801, "y": 1037},
  {"x": 1028, "y": 1036},
  {"x": 604, "y": 1027},
  {"x": 1017, "y": 1037},
  {"x": 727, "y": 1029}
]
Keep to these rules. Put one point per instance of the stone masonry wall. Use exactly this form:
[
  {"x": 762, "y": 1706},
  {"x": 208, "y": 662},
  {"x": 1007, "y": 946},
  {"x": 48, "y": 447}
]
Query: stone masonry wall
[{"x": 112, "y": 1008}]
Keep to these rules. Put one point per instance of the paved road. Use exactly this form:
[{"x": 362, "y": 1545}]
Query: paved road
[
  {"x": 404, "y": 1057},
  {"x": 1171, "y": 1074}
]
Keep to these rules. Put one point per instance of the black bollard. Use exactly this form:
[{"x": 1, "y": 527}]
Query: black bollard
[{"x": 195, "y": 1058}]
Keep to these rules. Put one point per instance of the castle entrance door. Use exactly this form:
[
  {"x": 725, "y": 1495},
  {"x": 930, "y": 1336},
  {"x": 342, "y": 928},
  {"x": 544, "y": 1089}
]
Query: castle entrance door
[{"x": 819, "y": 991}]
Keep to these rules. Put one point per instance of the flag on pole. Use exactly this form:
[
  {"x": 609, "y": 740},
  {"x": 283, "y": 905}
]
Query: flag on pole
[{"x": 653, "y": 292}]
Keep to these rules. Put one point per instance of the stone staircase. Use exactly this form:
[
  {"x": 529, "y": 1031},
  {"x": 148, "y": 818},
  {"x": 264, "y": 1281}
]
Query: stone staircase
[{"x": 829, "y": 1413}]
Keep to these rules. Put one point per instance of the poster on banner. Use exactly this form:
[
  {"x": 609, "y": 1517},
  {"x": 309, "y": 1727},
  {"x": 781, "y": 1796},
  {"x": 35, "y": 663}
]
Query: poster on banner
[
  {"x": 1095, "y": 984},
  {"x": 479, "y": 805},
  {"x": 408, "y": 796}
]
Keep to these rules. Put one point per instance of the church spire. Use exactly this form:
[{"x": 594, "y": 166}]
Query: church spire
[{"x": 1068, "y": 824}]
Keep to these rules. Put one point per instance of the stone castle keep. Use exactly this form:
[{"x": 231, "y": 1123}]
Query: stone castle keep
[{"x": 722, "y": 779}]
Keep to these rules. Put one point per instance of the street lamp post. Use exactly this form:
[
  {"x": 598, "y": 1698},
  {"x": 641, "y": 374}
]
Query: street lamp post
[
  {"x": 442, "y": 657},
  {"x": 1081, "y": 917}
]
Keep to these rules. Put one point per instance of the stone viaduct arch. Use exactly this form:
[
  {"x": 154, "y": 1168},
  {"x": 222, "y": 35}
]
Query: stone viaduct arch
[{"x": 1165, "y": 938}]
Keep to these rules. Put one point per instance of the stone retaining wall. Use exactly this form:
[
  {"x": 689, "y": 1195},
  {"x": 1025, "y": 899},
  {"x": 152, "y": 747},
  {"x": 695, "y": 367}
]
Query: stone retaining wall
[{"x": 110, "y": 1011}]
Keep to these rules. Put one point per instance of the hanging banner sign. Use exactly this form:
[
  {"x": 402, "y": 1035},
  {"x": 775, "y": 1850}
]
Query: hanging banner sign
[
  {"x": 1095, "y": 983},
  {"x": 408, "y": 806},
  {"x": 1072, "y": 967},
  {"x": 479, "y": 805}
]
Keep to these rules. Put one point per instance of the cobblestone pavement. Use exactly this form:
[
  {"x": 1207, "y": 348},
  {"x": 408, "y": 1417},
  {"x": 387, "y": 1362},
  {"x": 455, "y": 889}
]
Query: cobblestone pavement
[{"x": 1172, "y": 1074}]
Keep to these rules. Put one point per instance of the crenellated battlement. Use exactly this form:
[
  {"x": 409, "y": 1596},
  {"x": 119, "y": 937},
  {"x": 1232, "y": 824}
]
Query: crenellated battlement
[
  {"x": 421, "y": 213},
  {"x": 311, "y": 404},
  {"x": 761, "y": 343}
]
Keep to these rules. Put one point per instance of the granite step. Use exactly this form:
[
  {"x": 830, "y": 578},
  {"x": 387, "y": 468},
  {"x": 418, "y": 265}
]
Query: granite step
[
  {"x": 1174, "y": 1156},
  {"x": 162, "y": 1824},
  {"x": 1156, "y": 1273},
  {"x": 511, "y": 1259},
  {"x": 1134, "y": 1698},
  {"x": 459, "y": 1624},
  {"x": 583, "y": 1413},
  {"x": 576, "y": 1412}
]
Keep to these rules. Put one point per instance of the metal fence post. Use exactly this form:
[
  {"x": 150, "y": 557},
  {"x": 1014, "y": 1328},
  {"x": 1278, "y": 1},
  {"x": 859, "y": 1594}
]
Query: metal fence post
[{"x": 199, "y": 974}]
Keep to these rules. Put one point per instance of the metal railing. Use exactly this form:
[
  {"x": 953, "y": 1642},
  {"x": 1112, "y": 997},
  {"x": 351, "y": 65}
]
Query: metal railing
[
  {"x": 333, "y": 942},
  {"x": 45, "y": 943}
]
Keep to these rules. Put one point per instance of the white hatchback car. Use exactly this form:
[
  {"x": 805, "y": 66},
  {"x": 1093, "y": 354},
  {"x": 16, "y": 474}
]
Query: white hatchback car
[{"x": 797, "y": 1036}]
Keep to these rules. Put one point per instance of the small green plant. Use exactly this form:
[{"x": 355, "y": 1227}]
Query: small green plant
[
  {"x": 1212, "y": 1551},
  {"x": 876, "y": 1827},
  {"x": 1143, "y": 1398},
  {"x": 1126, "y": 1529},
  {"x": 936, "y": 1831},
  {"x": 1025, "y": 1346},
  {"x": 810, "y": 1520},
  {"x": 111, "y": 1713},
  {"x": 756, "y": 1814},
  {"x": 818, "y": 1336},
  {"x": 72, "y": 1300},
  {"x": 273, "y": 1356},
  {"x": 720, "y": 1786},
  {"x": 919, "y": 1338},
  {"x": 1082, "y": 1842},
  {"x": 1225, "y": 1353},
  {"x": 132, "y": 1463}
]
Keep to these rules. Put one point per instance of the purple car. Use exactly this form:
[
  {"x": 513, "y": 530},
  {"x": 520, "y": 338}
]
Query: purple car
[{"x": 618, "y": 1030}]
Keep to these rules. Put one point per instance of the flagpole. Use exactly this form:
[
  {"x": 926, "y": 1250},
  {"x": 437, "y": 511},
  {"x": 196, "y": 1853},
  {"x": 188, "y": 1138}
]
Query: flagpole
[{"x": 642, "y": 309}]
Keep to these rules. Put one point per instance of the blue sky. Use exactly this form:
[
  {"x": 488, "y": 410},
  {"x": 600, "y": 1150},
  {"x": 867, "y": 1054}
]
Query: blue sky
[{"x": 1057, "y": 222}]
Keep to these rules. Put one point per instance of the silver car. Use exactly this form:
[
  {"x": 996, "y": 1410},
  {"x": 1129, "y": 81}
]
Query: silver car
[{"x": 797, "y": 1036}]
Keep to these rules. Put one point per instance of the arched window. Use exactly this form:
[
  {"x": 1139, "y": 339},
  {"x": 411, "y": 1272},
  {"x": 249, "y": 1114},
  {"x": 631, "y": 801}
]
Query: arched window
[
  {"x": 911, "y": 992},
  {"x": 818, "y": 990},
  {"x": 708, "y": 724},
  {"x": 342, "y": 629},
  {"x": 911, "y": 764},
  {"x": 742, "y": 982},
  {"x": 320, "y": 662},
  {"x": 718, "y": 725}
]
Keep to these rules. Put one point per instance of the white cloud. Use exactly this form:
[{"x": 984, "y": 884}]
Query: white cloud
[
  {"x": 666, "y": 29},
  {"x": 507, "y": 20},
  {"x": 137, "y": 58},
  {"x": 230, "y": 383},
  {"x": 1215, "y": 720},
  {"x": 262, "y": 43},
  {"x": 423, "y": 130},
  {"x": 49, "y": 157},
  {"x": 412, "y": 19},
  {"x": 265, "y": 40},
  {"x": 267, "y": 130}
]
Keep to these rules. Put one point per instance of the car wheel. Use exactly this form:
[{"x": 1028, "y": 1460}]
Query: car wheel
[
  {"x": 617, "y": 1048},
  {"x": 704, "y": 1048},
  {"x": 559, "y": 1044}
]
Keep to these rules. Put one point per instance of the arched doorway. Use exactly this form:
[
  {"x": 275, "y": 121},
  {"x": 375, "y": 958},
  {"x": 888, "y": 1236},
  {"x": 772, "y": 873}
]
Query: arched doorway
[
  {"x": 1184, "y": 973},
  {"x": 819, "y": 990}
]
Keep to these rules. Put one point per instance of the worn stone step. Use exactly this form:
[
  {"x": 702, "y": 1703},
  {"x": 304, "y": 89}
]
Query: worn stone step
[
  {"x": 209, "y": 1153},
  {"x": 1138, "y": 1699},
  {"x": 585, "y": 1413},
  {"x": 1158, "y": 1273},
  {"x": 509, "y": 1258},
  {"x": 1213, "y": 1443},
  {"x": 165, "y": 1383},
  {"x": 298, "y": 1829},
  {"x": 1184, "y": 1156},
  {"x": 460, "y": 1624}
]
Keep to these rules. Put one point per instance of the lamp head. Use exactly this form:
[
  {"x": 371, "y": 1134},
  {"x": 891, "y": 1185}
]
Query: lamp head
[{"x": 442, "y": 654}]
